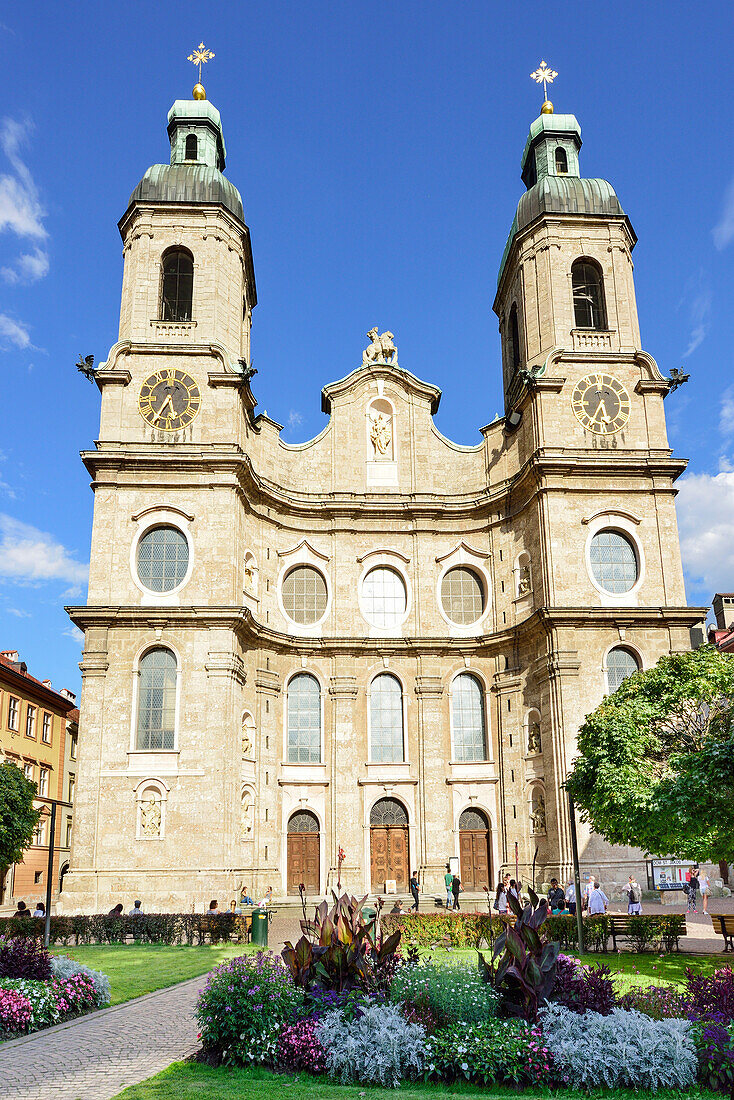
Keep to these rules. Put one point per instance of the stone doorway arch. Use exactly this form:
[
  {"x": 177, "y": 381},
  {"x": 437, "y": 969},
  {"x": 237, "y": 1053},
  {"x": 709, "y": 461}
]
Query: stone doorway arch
[
  {"x": 389, "y": 848},
  {"x": 474, "y": 852},
  {"x": 304, "y": 852}
]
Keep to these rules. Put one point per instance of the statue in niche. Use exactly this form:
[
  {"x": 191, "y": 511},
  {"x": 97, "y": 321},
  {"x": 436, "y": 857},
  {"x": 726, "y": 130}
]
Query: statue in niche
[
  {"x": 523, "y": 581},
  {"x": 381, "y": 349},
  {"x": 250, "y": 585},
  {"x": 381, "y": 433},
  {"x": 246, "y": 738},
  {"x": 535, "y": 744},
  {"x": 537, "y": 815},
  {"x": 150, "y": 816},
  {"x": 247, "y": 814}
]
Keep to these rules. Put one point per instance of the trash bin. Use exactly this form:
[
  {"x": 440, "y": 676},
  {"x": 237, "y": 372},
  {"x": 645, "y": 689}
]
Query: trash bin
[{"x": 260, "y": 927}]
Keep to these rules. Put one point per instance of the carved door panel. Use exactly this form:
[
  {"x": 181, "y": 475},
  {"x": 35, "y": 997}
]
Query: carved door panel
[
  {"x": 474, "y": 855},
  {"x": 303, "y": 862},
  {"x": 389, "y": 856}
]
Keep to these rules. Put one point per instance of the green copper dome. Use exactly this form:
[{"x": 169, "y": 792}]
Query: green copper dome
[{"x": 188, "y": 183}]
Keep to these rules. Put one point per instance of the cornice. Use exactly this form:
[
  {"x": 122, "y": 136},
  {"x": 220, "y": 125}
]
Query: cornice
[{"x": 388, "y": 373}]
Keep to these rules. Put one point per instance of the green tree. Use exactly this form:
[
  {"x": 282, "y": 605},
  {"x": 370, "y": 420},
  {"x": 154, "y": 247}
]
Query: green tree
[
  {"x": 656, "y": 763},
  {"x": 18, "y": 818}
]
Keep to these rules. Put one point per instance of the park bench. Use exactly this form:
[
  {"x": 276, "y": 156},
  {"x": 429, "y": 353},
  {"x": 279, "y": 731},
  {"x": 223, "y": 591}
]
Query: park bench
[
  {"x": 724, "y": 925},
  {"x": 620, "y": 928}
]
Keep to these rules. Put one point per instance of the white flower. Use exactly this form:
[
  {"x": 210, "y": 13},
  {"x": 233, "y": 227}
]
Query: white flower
[{"x": 464, "y": 1066}]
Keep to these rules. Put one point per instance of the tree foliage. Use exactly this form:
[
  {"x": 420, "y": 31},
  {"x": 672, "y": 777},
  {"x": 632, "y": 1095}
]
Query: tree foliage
[
  {"x": 18, "y": 818},
  {"x": 656, "y": 763}
]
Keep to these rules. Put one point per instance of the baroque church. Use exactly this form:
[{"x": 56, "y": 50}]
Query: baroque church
[{"x": 377, "y": 641}]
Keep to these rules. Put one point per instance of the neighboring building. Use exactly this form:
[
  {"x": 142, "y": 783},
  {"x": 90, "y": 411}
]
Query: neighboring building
[
  {"x": 378, "y": 639},
  {"x": 722, "y": 635},
  {"x": 33, "y": 735},
  {"x": 66, "y": 813}
]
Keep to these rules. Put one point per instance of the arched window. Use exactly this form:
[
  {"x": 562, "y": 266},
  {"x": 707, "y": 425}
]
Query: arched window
[
  {"x": 386, "y": 720},
  {"x": 303, "y": 821},
  {"x": 156, "y": 700},
  {"x": 384, "y": 598},
  {"x": 621, "y": 663},
  {"x": 514, "y": 332},
  {"x": 163, "y": 558},
  {"x": 178, "y": 285},
  {"x": 388, "y": 811},
  {"x": 613, "y": 561},
  {"x": 304, "y": 720},
  {"x": 462, "y": 596},
  {"x": 191, "y": 147},
  {"x": 467, "y": 706},
  {"x": 305, "y": 595},
  {"x": 561, "y": 162},
  {"x": 588, "y": 295}
]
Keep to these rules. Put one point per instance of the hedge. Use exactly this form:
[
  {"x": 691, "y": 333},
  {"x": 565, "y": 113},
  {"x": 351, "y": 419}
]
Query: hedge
[
  {"x": 478, "y": 929},
  {"x": 171, "y": 928}
]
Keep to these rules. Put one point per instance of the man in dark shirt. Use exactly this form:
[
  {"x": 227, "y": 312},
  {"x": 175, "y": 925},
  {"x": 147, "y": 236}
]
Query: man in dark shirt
[{"x": 556, "y": 896}]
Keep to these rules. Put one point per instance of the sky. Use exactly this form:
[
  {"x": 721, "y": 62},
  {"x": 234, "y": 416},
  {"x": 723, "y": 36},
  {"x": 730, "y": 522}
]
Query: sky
[{"x": 377, "y": 149}]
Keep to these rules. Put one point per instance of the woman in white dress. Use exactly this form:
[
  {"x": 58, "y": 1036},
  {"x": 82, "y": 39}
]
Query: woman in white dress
[{"x": 705, "y": 886}]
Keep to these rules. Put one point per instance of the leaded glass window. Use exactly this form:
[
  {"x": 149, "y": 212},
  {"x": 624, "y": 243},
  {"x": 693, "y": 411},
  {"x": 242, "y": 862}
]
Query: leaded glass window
[
  {"x": 621, "y": 663},
  {"x": 386, "y": 720},
  {"x": 588, "y": 295},
  {"x": 303, "y": 822},
  {"x": 178, "y": 286},
  {"x": 613, "y": 561},
  {"x": 304, "y": 595},
  {"x": 384, "y": 597},
  {"x": 470, "y": 736},
  {"x": 462, "y": 596},
  {"x": 473, "y": 819},
  {"x": 156, "y": 700},
  {"x": 163, "y": 558},
  {"x": 304, "y": 720},
  {"x": 388, "y": 811}
]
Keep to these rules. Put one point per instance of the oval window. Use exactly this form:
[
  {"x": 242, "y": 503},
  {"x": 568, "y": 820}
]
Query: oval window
[
  {"x": 384, "y": 598},
  {"x": 462, "y": 596},
  {"x": 304, "y": 595},
  {"x": 613, "y": 562},
  {"x": 163, "y": 559}
]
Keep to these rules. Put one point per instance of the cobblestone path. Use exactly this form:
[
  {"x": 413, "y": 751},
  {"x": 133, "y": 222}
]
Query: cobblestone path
[{"x": 95, "y": 1057}]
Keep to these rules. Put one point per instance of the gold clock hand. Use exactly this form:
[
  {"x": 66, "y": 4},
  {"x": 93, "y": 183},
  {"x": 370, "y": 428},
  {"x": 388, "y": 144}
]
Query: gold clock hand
[{"x": 166, "y": 402}]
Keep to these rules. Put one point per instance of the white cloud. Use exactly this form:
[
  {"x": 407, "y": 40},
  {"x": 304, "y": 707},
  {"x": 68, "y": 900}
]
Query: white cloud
[
  {"x": 21, "y": 211},
  {"x": 14, "y": 331},
  {"x": 724, "y": 231},
  {"x": 705, "y": 505},
  {"x": 74, "y": 632},
  {"x": 19, "y": 614},
  {"x": 726, "y": 413},
  {"x": 29, "y": 267},
  {"x": 294, "y": 419},
  {"x": 697, "y": 297},
  {"x": 31, "y": 556}
]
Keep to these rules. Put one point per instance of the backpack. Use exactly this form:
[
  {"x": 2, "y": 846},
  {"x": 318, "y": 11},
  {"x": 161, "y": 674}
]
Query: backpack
[{"x": 635, "y": 895}]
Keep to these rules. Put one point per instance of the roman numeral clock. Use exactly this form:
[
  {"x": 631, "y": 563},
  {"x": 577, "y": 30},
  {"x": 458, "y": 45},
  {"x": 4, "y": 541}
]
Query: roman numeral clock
[
  {"x": 169, "y": 400},
  {"x": 601, "y": 403}
]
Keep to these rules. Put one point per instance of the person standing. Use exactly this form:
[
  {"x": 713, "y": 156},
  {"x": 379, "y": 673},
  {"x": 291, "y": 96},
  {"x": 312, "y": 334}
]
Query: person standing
[
  {"x": 598, "y": 901},
  {"x": 415, "y": 890},
  {"x": 456, "y": 889},
  {"x": 705, "y": 890},
  {"x": 634, "y": 897},
  {"x": 571, "y": 898},
  {"x": 448, "y": 878},
  {"x": 693, "y": 885},
  {"x": 500, "y": 901},
  {"x": 556, "y": 897}
]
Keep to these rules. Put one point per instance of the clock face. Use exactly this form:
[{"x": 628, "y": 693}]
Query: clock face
[
  {"x": 601, "y": 404},
  {"x": 169, "y": 400}
]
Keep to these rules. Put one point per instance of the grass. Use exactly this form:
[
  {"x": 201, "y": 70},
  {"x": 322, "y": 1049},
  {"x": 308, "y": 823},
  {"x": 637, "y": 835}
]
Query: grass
[
  {"x": 134, "y": 969},
  {"x": 185, "y": 1080}
]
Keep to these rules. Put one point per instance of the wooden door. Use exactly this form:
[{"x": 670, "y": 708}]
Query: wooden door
[
  {"x": 389, "y": 856},
  {"x": 474, "y": 855},
  {"x": 303, "y": 862}
]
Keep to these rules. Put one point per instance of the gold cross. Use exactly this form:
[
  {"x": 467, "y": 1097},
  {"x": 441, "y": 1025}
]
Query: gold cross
[
  {"x": 542, "y": 75},
  {"x": 200, "y": 56}
]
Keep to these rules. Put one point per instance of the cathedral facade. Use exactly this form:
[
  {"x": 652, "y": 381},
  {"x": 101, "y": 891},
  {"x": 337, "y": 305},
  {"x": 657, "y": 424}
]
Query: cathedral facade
[{"x": 368, "y": 654}]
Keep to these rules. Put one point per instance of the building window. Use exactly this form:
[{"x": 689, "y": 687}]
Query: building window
[
  {"x": 39, "y": 834},
  {"x": 462, "y": 596},
  {"x": 304, "y": 595},
  {"x": 304, "y": 720},
  {"x": 43, "y": 782},
  {"x": 28, "y": 771},
  {"x": 514, "y": 338},
  {"x": 467, "y": 707},
  {"x": 178, "y": 286},
  {"x": 12, "y": 713},
  {"x": 384, "y": 598},
  {"x": 588, "y": 295},
  {"x": 37, "y": 877},
  {"x": 156, "y": 700},
  {"x": 191, "y": 147},
  {"x": 561, "y": 162},
  {"x": 73, "y": 745},
  {"x": 386, "y": 720},
  {"x": 613, "y": 562},
  {"x": 163, "y": 558},
  {"x": 46, "y": 730},
  {"x": 30, "y": 721},
  {"x": 68, "y": 833},
  {"x": 621, "y": 663},
  {"x": 72, "y": 785}
]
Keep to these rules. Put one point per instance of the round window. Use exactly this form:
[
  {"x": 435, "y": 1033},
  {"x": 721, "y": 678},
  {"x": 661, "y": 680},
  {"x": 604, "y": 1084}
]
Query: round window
[
  {"x": 163, "y": 558},
  {"x": 613, "y": 562},
  {"x": 304, "y": 595},
  {"x": 384, "y": 598},
  {"x": 462, "y": 596}
]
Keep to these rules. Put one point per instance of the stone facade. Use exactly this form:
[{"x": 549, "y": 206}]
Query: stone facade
[{"x": 379, "y": 498}]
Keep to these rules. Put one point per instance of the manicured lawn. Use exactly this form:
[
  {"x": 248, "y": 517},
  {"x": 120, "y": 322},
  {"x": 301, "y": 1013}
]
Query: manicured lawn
[
  {"x": 134, "y": 969},
  {"x": 184, "y": 1080}
]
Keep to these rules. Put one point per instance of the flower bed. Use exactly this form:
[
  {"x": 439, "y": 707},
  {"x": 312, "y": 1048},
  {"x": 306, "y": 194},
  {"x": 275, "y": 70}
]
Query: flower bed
[{"x": 38, "y": 991}]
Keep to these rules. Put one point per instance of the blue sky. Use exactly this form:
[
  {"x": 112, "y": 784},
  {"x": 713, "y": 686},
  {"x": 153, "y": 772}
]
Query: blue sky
[{"x": 377, "y": 148}]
